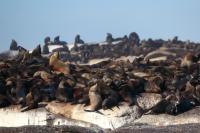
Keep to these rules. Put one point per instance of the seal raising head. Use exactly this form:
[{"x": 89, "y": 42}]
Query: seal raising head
[{"x": 58, "y": 65}]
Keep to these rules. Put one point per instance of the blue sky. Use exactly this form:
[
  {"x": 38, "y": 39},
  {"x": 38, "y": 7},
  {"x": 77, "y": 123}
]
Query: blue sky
[{"x": 29, "y": 21}]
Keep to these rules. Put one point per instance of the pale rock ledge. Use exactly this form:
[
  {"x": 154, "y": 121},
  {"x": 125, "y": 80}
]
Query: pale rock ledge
[{"x": 111, "y": 118}]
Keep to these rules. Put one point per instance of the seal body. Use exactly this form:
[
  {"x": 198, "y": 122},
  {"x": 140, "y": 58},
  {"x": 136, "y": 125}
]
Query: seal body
[
  {"x": 95, "y": 98},
  {"x": 58, "y": 65}
]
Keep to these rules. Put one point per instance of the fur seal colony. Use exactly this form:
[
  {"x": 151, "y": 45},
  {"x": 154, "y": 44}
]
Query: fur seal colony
[{"x": 34, "y": 77}]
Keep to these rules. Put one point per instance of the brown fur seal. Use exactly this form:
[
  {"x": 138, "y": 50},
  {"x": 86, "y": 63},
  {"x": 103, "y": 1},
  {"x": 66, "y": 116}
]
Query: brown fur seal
[
  {"x": 37, "y": 52},
  {"x": 95, "y": 98},
  {"x": 26, "y": 56},
  {"x": 43, "y": 75},
  {"x": 4, "y": 101},
  {"x": 154, "y": 84},
  {"x": 127, "y": 94},
  {"x": 188, "y": 60},
  {"x": 34, "y": 95},
  {"x": 58, "y": 65},
  {"x": 20, "y": 90},
  {"x": 198, "y": 93},
  {"x": 64, "y": 92},
  {"x": 31, "y": 102},
  {"x": 111, "y": 101}
]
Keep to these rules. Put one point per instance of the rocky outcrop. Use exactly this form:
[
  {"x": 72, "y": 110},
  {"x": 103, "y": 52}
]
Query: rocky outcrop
[
  {"x": 13, "y": 117},
  {"x": 189, "y": 117},
  {"x": 120, "y": 119},
  {"x": 113, "y": 118}
]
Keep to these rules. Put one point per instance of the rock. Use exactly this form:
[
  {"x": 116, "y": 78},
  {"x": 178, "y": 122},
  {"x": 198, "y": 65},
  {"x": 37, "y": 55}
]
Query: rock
[
  {"x": 162, "y": 58},
  {"x": 139, "y": 128},
  {"x": 155, "y": 82},
  {"x": 141, "y": 74},
  {"x": 159, "y": 53},
  {"x": 114, "y": 118},
  {"x": 148, "y": 100},
  {"x": 50, "y": 129},
  {"x": 190, "y": 117},
  {"x": 37, "y": 117}
]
